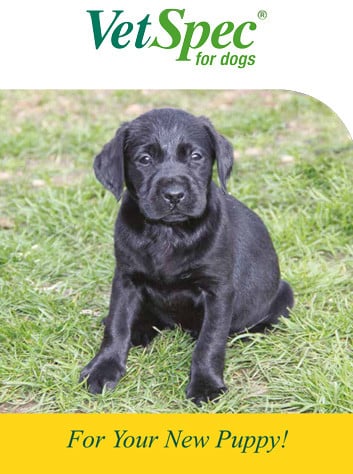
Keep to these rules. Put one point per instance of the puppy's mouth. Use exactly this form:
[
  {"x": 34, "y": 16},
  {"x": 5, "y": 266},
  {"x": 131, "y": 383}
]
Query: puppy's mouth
[
  {"x": 156, "y": 210},
  {"x": 174, "y": 215}
]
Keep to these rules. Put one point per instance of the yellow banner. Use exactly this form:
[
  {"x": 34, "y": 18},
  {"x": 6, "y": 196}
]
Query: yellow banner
[{"x": 174, "y": 443}]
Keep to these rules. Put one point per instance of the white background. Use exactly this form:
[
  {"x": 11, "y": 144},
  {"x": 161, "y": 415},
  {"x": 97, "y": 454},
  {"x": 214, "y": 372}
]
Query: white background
[{"x": 303, "y": 46}]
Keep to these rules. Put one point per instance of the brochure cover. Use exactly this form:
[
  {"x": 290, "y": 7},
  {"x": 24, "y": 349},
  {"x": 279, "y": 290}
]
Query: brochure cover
[{"x": 176, "y": 240}]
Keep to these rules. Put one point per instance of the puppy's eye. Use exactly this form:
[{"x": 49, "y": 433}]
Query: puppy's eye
[
  {"x": 196, "y": 156},
  {"x": 145, "y": 160}
]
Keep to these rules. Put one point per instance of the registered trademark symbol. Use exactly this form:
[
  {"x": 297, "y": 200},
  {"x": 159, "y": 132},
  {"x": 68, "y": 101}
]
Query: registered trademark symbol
[{"x": 262, "y": 14}]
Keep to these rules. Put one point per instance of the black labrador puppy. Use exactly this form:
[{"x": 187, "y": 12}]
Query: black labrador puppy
[{"x": 187, "y": 253}]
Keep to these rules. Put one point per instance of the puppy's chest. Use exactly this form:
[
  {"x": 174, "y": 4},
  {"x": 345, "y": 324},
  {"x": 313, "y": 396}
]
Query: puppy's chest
[
  {"x": 169, "y": 283},
  {"x": 170, "y": 293},
  {"x": 163, "y": 256},
  {"x": 168, "y": 271}
]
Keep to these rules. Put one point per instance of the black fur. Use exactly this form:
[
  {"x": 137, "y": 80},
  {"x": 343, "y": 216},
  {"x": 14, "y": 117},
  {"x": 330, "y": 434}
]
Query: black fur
[{"x": 186, "y": 252}]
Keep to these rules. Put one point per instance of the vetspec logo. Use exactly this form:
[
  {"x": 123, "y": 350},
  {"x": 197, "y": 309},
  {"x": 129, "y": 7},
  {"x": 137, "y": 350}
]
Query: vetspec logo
[{"x": 231, "y": 43}]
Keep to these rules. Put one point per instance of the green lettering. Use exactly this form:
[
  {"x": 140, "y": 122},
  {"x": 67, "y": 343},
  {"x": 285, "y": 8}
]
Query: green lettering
[
  {"x": 251, "y": 60},
  {"x": 190, "y": 30},
  {"x": 75, "y": 436},
  {"x": 238, "y": 33},
  {"x": 248, "y": 443},
  {"x": 217, "y": 33},
  {"x": 96, "y": 25},
  {"x": 170, "y": 28},
  {"x": 223, "y": 436},
  {"x": 139, "y": 43},
  {"x": 171, "y": 438},
  {"x": 119, "y": 32}
]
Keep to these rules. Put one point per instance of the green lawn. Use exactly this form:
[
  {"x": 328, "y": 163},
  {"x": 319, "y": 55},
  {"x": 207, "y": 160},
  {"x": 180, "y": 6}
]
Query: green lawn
[{"x": 293, "y": 167}]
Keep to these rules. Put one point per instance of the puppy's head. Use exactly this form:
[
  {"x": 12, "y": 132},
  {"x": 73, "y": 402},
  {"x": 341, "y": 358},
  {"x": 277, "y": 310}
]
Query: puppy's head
[{"x": 165, "y": 157}]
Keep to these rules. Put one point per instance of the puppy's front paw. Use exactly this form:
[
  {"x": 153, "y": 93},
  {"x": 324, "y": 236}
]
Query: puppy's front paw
[
  {"x": 100, "y": 373},
  {"x": 204, "y": 390}
]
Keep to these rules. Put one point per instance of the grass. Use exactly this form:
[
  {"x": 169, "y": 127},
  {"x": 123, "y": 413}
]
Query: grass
[{"x": 293, "y": 167}]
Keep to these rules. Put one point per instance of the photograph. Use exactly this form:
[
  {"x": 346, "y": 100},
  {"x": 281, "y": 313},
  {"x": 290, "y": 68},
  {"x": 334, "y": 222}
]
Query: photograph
[{"x": 174, "y": 251}]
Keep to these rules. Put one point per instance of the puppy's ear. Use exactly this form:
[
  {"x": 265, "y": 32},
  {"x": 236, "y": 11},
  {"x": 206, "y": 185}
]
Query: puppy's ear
[
  {"x": 223, "y": 153},
  {"x": 109, "y": 164}
]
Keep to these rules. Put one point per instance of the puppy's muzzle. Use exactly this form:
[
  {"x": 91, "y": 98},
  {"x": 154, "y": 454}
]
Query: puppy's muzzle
[
  {"x": 172, "y": 191},
  {"x": 173, "y": 194}
]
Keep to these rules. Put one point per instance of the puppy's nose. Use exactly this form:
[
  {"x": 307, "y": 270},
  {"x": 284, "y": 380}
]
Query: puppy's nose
[{"x": 173, "y": 194}]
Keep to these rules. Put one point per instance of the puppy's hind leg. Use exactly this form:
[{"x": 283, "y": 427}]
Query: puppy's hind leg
[
  {"x": 280, "y": 306},
  {"x": 146, "y": 328}
]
